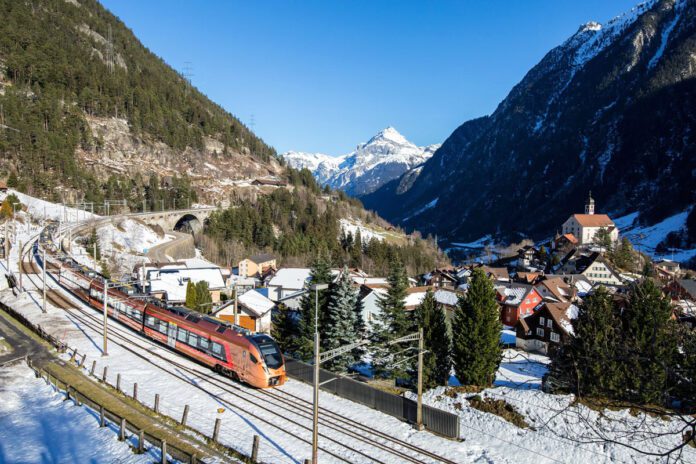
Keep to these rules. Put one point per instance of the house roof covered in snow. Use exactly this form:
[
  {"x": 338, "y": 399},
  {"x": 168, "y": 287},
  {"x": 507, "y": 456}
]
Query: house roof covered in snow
[
  {"x": 262, "y": 258},
  {"x": 512, "y": 294},
  {"x": 563, "y": 314},
  {"x": 251, "y": 301},
  {"x": 172, "y": 279},
  {"x": 293, "y": 278}
]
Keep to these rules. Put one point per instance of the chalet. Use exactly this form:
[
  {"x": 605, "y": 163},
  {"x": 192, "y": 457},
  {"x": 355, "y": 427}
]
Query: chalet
[
  {"x": 527, "y": 256},
  {"x": 594, "y": 267},
  {"x": 556, "y": 290},
  {"x": 565, "y": 241},
  {"x": 584, "y": 227},
  {"x": 269, "y": 182},
  {"x": 441, "y": 278},
  {"x": 530, "y": 278},
  {"x": 547, "y": 329},
  {"x": 254, "y": 311},
  {"x": 499, "y": 274},
  {"x": 257, "y": 265},
  {"x": 446, "y": 298},
  {"x": 516, "y": 301},
  {"x": 288, "y": 282},
  {"x": 667, "y": 270}
]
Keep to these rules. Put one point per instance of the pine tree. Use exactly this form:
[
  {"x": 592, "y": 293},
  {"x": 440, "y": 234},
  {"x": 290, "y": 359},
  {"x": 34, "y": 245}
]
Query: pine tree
[
  {"x": 320, "y": 274},
  {"x": 589, "y": 365},
  {"x": 359, "y": 328},
  {"x": 648, "y": 344},
  {"x": 12, "y": 181},
  {"x": 392, "y": 321},
  {"x": 339, "y": 326},
  {"x": 203, "y": 298},
  {"x": 437, "y": 362},
  {"x": 476, "y": 349},
  {"x": 356, "y": 250}
]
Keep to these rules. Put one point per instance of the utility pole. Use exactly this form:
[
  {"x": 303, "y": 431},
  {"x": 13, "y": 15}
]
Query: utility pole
[
  {"x": 317, "y": 362},
  {"x": 419, "y": 410},
  {"x": 43, "y": 308},
  {"x": 236, "y": 308},
  {"x": 106, "y": 296},
  {"x": 19, "y": 265},
  {"x": 7, "y": 246}
]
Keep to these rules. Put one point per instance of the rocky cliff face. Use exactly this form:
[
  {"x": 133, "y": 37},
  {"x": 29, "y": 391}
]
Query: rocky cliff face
[{"x": 612, "y": 110}]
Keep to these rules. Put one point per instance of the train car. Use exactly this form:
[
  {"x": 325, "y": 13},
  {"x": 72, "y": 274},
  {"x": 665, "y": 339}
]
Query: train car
[
  {"x": 251, "y": 358},
  {"x": 74, "y": 278},
  {"x": 129, "y": 311}
]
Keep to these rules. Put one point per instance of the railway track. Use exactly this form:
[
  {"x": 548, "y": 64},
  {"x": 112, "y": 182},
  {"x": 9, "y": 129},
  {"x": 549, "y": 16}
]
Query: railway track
[{"x": 285, "y": 402}]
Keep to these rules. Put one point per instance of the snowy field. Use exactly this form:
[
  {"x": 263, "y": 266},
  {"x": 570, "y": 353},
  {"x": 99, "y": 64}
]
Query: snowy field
[
  {"x": 646, "y": 238},
  {"x": 37, "y": 426}
]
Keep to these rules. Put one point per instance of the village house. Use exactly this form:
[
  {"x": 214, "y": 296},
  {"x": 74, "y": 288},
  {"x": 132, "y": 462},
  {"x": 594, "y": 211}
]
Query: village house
[
  {"x": 3, "y": 186},
  {"x": 288, "y": 282},
  {"x": 556, "y": 290},
  {"x": 667, "y": 270},
  {"x": 547, "y": 329},
  {"x": 498, "y": 274},
  {"x": 584, "y": 227},
  {"x": 441, "y": 278},
  {"x": 168, "y": 281},
  {"x": 269, "y": 182},
  {"x": 254, "y": 311},
  {"x": 516, "y": 301},
  {"x": 564, "y": 242},
  {"x": 682, "y": 289},
  {"x": 530, "y": 278},
  {"x": 594, "y": 267},
  {"x": 257, "y": 265},
  {"x": 369, "y": 296},
  {"x": 446, "y": 298}
]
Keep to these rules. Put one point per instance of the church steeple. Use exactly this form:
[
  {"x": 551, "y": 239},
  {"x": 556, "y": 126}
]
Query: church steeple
[{"x": 589, "y": 206}]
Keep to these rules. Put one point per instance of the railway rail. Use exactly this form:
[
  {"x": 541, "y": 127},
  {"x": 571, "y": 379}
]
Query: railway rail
[{"x": 279, "y": 404}]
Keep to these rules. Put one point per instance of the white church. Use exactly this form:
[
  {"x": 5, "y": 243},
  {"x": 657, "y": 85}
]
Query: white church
[{"x": 584, "y": 227}]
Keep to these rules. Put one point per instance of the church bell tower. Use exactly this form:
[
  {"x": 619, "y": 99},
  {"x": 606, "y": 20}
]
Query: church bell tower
[{"x": 589, "y": 206}]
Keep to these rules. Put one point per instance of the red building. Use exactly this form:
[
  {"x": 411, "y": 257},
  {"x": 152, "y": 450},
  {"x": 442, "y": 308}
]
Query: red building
[{"x": 516, "y": 301}]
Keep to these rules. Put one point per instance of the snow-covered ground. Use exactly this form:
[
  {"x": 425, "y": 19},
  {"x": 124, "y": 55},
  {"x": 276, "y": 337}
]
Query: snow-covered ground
[
  {"x": 37, "y": 425},
  {"x": 124, "y": 243},
  {"x": 41, "y": 209},
  {"x": 366, "y": 233},
  {"x": 646, "y": 238}
]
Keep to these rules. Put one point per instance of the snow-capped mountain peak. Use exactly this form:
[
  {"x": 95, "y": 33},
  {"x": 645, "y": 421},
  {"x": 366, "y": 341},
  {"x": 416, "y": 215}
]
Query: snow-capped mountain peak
[{"x": 382, "y": 158}]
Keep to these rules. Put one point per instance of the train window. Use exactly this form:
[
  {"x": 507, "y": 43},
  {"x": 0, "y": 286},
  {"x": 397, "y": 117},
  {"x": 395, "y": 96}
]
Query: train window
[
  {"x": 150, "y": 321},
  {"x": 270, "y": 352},
  {"x": 193, "y": 339},
  {"x": 163, "y": 326},
  {"x": 218, "y": 352},
  {"x": 183, "y": 335},
  {"x": 253, "y": 358},
  {"x": 204, "y": 343}
]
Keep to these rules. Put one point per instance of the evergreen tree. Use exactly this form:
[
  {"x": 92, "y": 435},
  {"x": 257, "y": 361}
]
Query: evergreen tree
[
  {"x": 603, "y": 239},
  {"x": 589, "y": 365},
  {"x": 648, "y": 344},
  {"x": 356, "y": 250},
  {"x": 339, "y": 325},
  {"x": 437, "y": 362},
  {"x": 12, "y": 181},
  {"x": 191, "y": 296},
  {"x": 359, "y": 328},
  {"x": 320, "y": 274},
  {"x": 284, "y": 329},
  {"x": 392, "y": 321},
  {"x": 203, "y": 298},
  {"x": 476, "y": 349}
]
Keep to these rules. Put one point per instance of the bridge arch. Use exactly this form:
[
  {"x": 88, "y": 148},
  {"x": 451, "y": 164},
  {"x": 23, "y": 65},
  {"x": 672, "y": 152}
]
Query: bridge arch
[{"x": 189, "y": 223}]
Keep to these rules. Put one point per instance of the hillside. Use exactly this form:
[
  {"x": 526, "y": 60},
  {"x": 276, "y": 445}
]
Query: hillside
[
  {"x": 87, "y": 113},
  {"x": 84, "y": 101},
  {"x": 610, "y": 110},
  {"x": 384, "y": 157}
]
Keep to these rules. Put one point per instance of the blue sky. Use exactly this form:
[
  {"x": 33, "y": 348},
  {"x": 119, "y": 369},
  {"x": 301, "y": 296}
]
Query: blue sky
[{"x": 326, "y": 75}]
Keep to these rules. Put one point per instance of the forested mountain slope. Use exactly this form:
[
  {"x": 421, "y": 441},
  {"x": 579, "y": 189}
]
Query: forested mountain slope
[{"x": 611, "y": 110}]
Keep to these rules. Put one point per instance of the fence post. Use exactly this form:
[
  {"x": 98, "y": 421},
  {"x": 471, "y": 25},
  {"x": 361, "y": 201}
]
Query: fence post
[
  {"x": 141, "y": 442},
  {"x": 118, "y": 382},
  {"x": 122, "y": 430},
  {"x": 164, "y": 451},
  {"x": 216, "y": 430},
  {"x": 82, "y": 363},
  {"x": 67, "y": 392},
  {"x": 157, "y": 402},
  {"x": 255, "y": 449},
  {"x": 74, "y": 353},
  {"x": 135, "y": 391},
  {"x": 102, "y": 421},
  {"x": 106, "y": 369},
  {"x": 194, "y": 459},
  {"x": 94, "y": 365},
  {"x": 185, "y": 415}
]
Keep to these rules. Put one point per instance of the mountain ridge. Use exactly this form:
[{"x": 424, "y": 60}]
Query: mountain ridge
[
  {"x": 385, "y": 156},
  {"x": 609, "y": 110}
]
